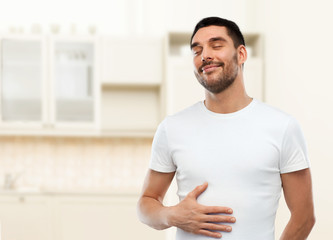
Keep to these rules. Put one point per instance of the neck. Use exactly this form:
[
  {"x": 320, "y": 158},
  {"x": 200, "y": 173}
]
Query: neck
[{"x": 232, "y": 99}]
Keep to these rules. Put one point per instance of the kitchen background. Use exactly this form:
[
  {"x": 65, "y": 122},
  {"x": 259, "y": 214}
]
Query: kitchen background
[{"x": 84, "y": 85}]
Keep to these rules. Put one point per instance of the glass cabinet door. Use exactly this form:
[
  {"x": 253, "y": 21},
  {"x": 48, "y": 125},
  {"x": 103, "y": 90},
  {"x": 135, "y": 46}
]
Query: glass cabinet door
[
  {"x": 21, "y": 80},
  {"x": 73, "y": 81}
]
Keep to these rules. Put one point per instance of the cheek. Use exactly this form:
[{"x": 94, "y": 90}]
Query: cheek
[
  {"x": 196, "y": 64},
  {"x": 223, "y": 56}
]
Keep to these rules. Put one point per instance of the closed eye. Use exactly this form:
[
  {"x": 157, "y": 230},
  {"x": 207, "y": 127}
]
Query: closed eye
[
  {"x": 196, "y": 51},
  {"x": 217, "y": 44}
]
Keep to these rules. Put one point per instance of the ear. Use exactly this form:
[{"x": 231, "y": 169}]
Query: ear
[{"x": 242, "y": 54}]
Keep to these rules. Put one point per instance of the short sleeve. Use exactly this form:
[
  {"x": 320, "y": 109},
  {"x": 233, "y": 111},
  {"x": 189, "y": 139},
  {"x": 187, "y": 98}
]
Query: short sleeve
[
  {"x": 294, "y": 155},
  {"x": 161, "y": 160}
]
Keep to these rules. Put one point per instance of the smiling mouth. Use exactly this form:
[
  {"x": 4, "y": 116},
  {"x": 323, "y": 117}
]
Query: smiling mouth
[{"x": 210, "y": 67}]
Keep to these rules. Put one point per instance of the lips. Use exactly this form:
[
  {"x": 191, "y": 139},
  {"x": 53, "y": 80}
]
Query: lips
[{"x": 210, "y": 67}]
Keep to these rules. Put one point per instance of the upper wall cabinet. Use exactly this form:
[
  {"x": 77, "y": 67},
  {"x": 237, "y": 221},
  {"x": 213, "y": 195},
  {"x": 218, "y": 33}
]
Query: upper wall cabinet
[
  {"x": 132, "y": 86},
  {"x": 254, "y": 66},
  {"x": 74, "y": 84},
  {"x": 22, "y": 79},
  {"x": 48, "y": 83},
  {"x": 132, "y": 61}
]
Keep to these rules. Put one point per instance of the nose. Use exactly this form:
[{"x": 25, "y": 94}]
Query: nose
[{"x": 206, "y": 55}]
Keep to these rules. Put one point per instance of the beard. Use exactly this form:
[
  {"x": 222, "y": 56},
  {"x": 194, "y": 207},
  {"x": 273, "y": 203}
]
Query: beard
[{"x": 224, "y": 79}]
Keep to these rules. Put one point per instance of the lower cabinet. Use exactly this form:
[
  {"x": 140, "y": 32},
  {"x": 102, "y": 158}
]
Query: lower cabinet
[
  {"x": 72, "y": 217},
  {"x": 25, "y": 218}
]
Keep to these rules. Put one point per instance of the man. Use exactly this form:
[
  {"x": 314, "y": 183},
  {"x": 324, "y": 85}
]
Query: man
[{"x": 231, "y": 154}]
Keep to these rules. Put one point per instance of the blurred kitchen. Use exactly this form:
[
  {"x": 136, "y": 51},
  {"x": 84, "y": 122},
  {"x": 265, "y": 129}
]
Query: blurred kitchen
[{"x": 84, "y": 84}]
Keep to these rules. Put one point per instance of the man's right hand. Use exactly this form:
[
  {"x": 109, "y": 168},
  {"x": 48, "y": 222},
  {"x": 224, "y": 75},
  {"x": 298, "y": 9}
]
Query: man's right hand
[{"x": 193, "y": 217}]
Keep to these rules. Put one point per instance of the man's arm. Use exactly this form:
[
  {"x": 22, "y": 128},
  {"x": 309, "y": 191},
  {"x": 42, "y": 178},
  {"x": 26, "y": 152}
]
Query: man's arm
[
  {"x": 187, "y": 215},
  {"x": 297, "y": 188}
]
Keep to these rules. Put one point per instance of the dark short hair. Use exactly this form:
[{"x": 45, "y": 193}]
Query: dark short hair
[{"x": 232, "y": 29}]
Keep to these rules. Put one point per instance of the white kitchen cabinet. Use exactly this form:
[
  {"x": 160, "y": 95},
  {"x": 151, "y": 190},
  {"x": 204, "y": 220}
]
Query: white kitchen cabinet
[
  {"x": 182, "y": 87},
  {"x": 81, "y": 216},
  {"x": 23, "y": 74},
  {"x": 25, "y": 217},
  {"x": 132, "y": 60},
  {"x": 100, "y": 217},
  {"x": 254, "y": 66},
  {"x": 253, "y": 78},
  {"x": 130, "y": 110},
  {"x": 48, "y": 83},
  {"x": 74, "y": 82},
  {"x": 132, "y": 86}
]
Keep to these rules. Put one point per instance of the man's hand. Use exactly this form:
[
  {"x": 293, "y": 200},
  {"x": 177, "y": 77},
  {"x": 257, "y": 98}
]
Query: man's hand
[
  {"x": 192, "y": 217},
  {"x": 188, "y": 215}
]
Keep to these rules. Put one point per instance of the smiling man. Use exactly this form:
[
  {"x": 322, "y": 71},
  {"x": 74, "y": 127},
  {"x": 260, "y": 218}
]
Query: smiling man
[{"x": 231, "y": 154}]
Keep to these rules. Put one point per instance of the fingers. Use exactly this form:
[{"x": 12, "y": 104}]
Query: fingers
[
  {"x": 201, "y": 219},
  {"x": 219, "y": 219},
  {"x": 216, "y": 227},
  {"x": 198, "y": 190},
  {"x": 209, "y": 233},
  {"x": 210, "y": 229},
  {"x": 217, "y": 209}
]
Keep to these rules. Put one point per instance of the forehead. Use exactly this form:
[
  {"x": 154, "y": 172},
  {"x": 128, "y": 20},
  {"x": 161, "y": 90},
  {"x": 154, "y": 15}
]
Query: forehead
[{"x": 206, "y": 33}]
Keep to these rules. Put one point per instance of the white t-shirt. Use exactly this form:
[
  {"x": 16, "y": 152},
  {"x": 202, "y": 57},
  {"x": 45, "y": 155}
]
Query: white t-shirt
[{"x": 241, "y": 155}]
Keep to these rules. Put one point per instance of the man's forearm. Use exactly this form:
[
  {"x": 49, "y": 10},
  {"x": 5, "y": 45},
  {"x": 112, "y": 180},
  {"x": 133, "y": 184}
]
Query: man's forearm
[
  {"x": 298, "y": 229},
  {"x": 153, "y": 213},
  {"x": 188, "y": 214}
]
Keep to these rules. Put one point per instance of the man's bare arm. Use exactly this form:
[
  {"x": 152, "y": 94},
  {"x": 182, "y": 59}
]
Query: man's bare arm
[
  {"x": 297, "y": 188},
  {"x": 150, "y": 206},
  {"x": 187, "y": 215}
]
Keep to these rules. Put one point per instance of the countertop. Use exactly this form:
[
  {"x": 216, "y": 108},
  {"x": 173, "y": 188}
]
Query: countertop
[{"x": 91, "y": 192}]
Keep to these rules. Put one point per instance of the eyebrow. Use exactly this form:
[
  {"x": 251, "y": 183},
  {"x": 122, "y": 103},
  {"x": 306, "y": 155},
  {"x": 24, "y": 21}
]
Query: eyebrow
[
  {"x": 217, "y": 39},
  {"x": 193, "y": 45},
  {"x": 214, "y": 39}
]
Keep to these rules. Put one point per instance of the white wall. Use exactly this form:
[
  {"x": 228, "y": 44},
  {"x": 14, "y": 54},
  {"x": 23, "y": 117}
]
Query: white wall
[
  {"x": 121, "y": 17},
  {"x": 298, "y": 37}
]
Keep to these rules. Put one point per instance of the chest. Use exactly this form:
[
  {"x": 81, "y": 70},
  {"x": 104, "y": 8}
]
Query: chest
[{"x": 227, "y": 155}]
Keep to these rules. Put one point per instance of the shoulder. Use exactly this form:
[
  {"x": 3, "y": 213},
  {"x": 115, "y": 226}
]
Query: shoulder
[
  {"x": 272, "y": 119},
  {"x": 269, "y": 110},
  {"x": 189, "y": 111},
  {"x": 184, "y": 115},
  {"x": 175, "y": 124},
  {"x": 271, "y": 114}
]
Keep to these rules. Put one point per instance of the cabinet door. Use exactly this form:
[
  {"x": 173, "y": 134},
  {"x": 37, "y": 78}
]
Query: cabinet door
[
  {"x": 25, "y": 218},
  {"x": 73, "y": 81},
  {"x": 22, "y": 76},
  {"x": 129, "y": 110},
  {"x": 253, "y": 78},
  {"x": 102, "y": 218},
  {"x": 183, "y": 89},
  {"x": 132, "y": 61}
]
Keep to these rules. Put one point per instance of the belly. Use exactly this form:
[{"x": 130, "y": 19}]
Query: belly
[{"x": 246, "y": 180}]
